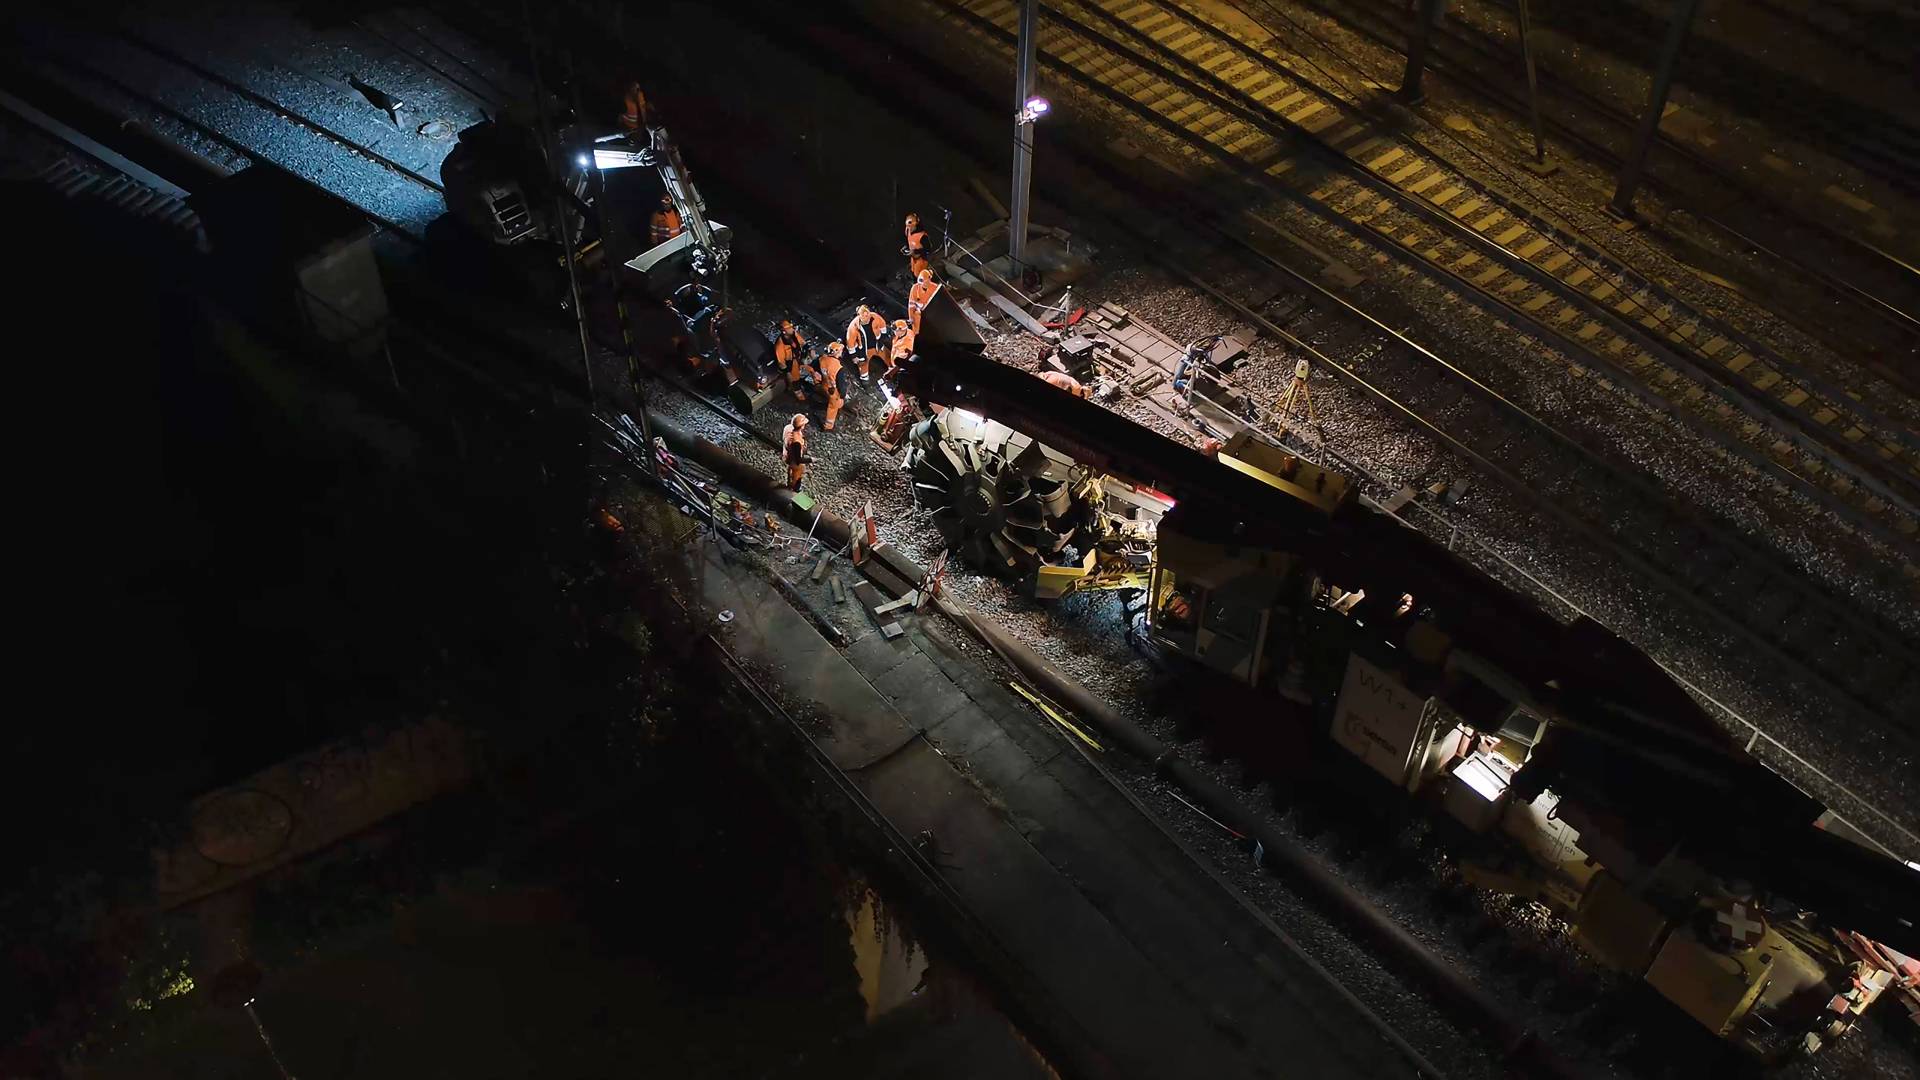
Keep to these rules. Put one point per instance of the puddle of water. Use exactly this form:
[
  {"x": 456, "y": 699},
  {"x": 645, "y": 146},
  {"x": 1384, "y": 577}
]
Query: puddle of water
[{"x": 891, "y": 966}]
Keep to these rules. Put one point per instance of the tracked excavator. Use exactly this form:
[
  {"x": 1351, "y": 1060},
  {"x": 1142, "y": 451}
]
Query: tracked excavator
[{"x": 1337, "y": 634}]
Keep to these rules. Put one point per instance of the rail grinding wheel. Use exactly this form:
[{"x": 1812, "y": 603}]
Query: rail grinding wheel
[{"x": 994, "y": 514}]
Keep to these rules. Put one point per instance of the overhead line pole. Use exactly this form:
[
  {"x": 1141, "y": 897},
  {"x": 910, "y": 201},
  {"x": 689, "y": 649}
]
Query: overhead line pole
[
  {"x": 547, "y": 136},
  {"x": 1022, "y": 136},
  {"x": 1636, "y": 160},
  {"x": 1428, "y": 14}
]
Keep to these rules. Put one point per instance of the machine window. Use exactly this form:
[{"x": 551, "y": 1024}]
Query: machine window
[{"x": 1231, "y": 619}]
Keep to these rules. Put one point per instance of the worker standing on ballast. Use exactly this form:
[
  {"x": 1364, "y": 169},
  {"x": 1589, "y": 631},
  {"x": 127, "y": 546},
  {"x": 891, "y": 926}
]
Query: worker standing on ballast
[
  {"x": 830, "y": 382},
  {"x": 790, "y": 352},
  {"x": 866, "y": 337},
  {"x": 916, "y": 247},
  {"x": 920, "y": 296},
  {"x": 793, "y": 449},
  {"x": 665, "y": 223}
]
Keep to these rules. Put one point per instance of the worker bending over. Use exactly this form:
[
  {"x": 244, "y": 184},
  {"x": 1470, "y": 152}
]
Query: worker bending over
[
  {"x": 793, "y": 443},
  {"x": 916, "y": 247},
  {"x": 790, "y": 352},
  {"x": 866, "y": 335},
  {"x": 901, "y": 347},
  {"x": 920, "y": 296},
  {"x": 665, "y": 223},
  {"x": 830, "y": 382},
  {"x": 1066, "y": 382}
]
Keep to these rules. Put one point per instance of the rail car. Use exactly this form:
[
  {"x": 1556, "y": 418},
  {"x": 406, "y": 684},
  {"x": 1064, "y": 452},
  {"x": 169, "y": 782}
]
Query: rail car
[{"x": 1575, "y": 770}]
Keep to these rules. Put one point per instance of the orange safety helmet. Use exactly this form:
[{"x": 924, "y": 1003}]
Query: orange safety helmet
[
  {"x": 913, "y": 221},
  {"x": 926, "y": 276},
  {"x": 899, "y": 325}
]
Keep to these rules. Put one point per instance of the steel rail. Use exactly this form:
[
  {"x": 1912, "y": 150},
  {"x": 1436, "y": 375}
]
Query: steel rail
[
  {"x": 1365, "y": 19},
  {"x": 1764, "y": 633},
  {"x": 1763, "y": 411},
  {"x": 246, "y": 93},
  {"x": 1726, "y": 72},
  {"x": 1752, "y": 456}
]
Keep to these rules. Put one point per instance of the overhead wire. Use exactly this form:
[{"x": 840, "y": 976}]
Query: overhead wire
[{"x": 1564, "y": 208}]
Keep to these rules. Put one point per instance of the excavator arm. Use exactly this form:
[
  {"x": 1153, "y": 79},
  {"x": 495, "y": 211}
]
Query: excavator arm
[{"x": 662, "y": 155}]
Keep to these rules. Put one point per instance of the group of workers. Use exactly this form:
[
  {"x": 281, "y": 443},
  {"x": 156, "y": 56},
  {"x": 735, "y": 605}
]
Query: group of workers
[{"x": 869, "y": 346}]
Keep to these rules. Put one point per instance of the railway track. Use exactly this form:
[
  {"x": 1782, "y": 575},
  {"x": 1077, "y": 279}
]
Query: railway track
[
  {"x": 1511, "y": 961},
  {"x": 1309, "y": 146},
  {"x": 1702, "y": 565},
  {"x": 1877, "y": 286},
  {"x": 1469, "y": 409},
  {"x": 398, "y": 197},
  {"x": 161, "y": 91},
  {"x": 1883, "y": 145},
  {"x": 1872, "y": 33},
  {"x": 1526, "y": 973},
  {"x": 358, "y": 146}
]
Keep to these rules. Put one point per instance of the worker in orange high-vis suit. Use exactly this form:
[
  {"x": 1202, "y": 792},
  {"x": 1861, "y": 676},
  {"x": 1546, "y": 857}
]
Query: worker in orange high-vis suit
[
  {"x": 901, "y": 346},
  {"x": 866, "y": 335},
  {"x": 916, "y": 247},
  {"x": 790, "y": 352},
  {"x": 636, "y": 112},
  {"x": 1066, "y": 382},
  {"x": 665, "y": 224},
  {"x": 830, "y": 382},
  {"x": 920, "y": 296},
  {"x": 793, "y": 450}
]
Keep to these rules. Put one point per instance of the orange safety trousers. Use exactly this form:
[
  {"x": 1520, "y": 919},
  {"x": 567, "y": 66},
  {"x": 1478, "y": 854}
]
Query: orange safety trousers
[
  {"x": 787, "y": 355},
  {"x": 830, "y": 377}
]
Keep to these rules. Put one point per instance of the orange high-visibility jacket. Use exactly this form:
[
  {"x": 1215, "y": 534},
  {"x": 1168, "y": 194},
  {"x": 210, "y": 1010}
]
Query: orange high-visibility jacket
[
  {"x": 921, "y": 293},
  {"x": 902, "y": 343},
  {"x": 665, "y": 225},
  {"x": 636, "y": 114},
  {"x": 830, "y": 372},
  {"x": 787, "y": 348},
  {"x": 1065, "y": 382},
  {"x": 863, "y": 333}
]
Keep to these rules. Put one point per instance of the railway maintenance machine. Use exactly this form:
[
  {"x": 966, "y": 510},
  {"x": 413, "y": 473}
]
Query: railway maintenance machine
[
  {"x": 530, "y": 196},
  {"x": 1337, "y": 632}
]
